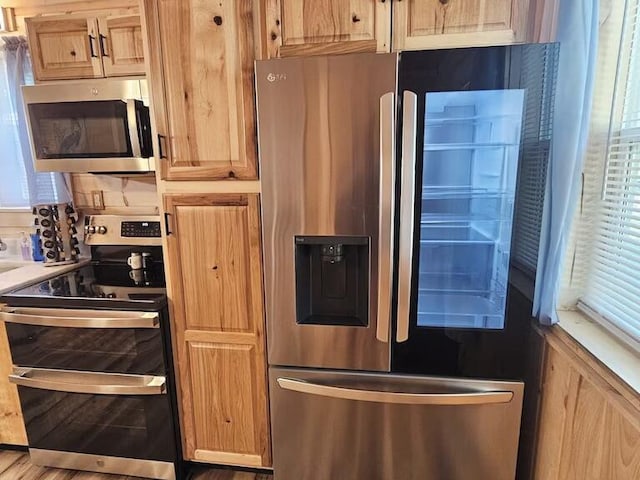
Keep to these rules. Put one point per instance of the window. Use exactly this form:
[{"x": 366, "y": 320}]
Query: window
[
  {"x": 20, "y": 187},
  {"x": 605, "y": 265}
]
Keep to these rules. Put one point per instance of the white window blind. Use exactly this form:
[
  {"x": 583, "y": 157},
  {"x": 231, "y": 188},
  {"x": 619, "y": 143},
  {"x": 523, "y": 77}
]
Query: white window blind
[
  {"x": 15, "y": 150},
  {"x": 611, "y": 283},
  {"x": 534, "y": 156}
]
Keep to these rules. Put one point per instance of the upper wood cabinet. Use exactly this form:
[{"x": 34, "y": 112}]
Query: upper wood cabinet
[
  {"x": 313, "y": 27},
  {"x": 215, "y": 290},
  {"x": 317, "y": 27},
  {"x": 69, "y": 47},
  {"x": 64, "y": 48},
  {"x": 121, "y": 45},
  {"x": 201, "y": 72},
  {"x": 424, "y": 24}
]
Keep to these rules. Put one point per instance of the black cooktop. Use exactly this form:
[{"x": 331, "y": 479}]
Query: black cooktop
[{"x": 97, "y": 286}]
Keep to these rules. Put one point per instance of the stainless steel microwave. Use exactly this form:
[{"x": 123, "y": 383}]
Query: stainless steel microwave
[{"x": 90, "y": 126}]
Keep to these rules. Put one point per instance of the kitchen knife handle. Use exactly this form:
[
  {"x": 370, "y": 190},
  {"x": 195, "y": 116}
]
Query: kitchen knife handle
[
  {"x": 407, "y": 212},
  {"x": 386, "y": 210}
]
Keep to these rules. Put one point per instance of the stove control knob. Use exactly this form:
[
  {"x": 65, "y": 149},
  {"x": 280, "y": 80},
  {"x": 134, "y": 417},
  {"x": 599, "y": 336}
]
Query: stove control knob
[
  {"x": 102, "y": 229},
  {"x": 111, "y": 295},
  {"x": 90, "y": 229}
]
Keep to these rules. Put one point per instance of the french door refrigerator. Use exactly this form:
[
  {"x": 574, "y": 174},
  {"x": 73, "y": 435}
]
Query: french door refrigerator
[{"x": 390, "y": 191}]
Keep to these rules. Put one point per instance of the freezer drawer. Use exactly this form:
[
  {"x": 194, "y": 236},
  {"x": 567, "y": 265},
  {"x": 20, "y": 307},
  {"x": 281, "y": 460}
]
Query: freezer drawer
[{"x": 330, "y": 424}]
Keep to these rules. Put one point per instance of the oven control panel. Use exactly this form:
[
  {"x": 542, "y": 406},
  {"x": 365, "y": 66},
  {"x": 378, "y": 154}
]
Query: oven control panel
[
  {"x": 122, "y": 230},
  {"x": 140, "y": 229}
]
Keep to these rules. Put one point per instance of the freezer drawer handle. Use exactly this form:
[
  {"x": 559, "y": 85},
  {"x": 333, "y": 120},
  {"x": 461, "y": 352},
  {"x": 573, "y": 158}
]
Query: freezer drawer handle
[
  {"x": 386, "y": 212},
  {"x": 88, "y": 382},
  {"x": 473, "y": 398},
  {"x": 44, "y": 317}
]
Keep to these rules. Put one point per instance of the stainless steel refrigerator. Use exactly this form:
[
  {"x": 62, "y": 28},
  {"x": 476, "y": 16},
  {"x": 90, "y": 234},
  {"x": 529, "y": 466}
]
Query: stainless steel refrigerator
[{"x": 390, "y": 186}]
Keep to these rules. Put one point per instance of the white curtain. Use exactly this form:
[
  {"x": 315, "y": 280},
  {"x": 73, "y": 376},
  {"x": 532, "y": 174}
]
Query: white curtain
[
  {"x": 20, "y": 185},
  {"x": 578, "y": 37}
]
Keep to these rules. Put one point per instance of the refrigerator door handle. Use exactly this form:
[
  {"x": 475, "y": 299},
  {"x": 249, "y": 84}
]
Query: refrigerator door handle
[
  {"x": 407, "y": 212},
  {"x": 386, "y": 211},
  {"x": 444, "y": 399}
]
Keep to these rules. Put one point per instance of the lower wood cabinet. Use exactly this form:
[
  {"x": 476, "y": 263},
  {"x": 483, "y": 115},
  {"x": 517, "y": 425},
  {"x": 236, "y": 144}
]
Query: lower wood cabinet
[
  {"x": 589, "y": 420},
  {"x": 215, "y": 290}
]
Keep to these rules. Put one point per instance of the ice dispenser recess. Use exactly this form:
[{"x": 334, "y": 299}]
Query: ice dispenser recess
[{"x": 332, "y": 280}]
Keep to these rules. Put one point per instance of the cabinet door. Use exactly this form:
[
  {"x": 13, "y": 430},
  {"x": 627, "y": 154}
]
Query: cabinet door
[
  {"x": 202, "y": 85},
  {"x": 215, "y": 280},
  {"x": 317, "y": 27},
  {"x": 63, "y": 48},
  {"x": 423, "y": 24},
  {"x": 121, "y": 45}
]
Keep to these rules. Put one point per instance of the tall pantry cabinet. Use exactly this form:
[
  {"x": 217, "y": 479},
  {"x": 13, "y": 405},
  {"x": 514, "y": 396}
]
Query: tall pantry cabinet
[{"x": 201, "y": 56}]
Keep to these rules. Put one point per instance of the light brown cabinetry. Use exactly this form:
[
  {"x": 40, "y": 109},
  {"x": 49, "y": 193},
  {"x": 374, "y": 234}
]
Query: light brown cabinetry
[
  {"x": 201, "y": 72},
  {"x": 215, "y": 289},
  {"x": 315, "y": 27},
  {"x": 589, "y": 419},
  {"x": 69, "y": 47},
  {"x": 425, "y": 24},
  {"x": 121, "y": 45},
  {"x": 64, "y": 48}
]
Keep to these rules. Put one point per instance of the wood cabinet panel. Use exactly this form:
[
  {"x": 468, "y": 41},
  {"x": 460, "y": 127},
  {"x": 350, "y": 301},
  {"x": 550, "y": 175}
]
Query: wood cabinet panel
[
  {"x": 215, "y": 292},
  {"x": 419, "y": 24},
  {"x": 313, "y": 27},
  {"x": 213, "y": 253},
  {"x": 121, "y": 45},
  {"x": 204, "y": 82},
  {"x": 224, "y": 403},
  {"x": 12, "y": 431},
  {"x": 63, "y": 48},
  {"x": 589, "y": 430}
]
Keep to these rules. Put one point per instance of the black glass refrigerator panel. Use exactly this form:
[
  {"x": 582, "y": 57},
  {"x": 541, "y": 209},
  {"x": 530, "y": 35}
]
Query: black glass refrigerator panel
[{"x": 478, "y": 140}]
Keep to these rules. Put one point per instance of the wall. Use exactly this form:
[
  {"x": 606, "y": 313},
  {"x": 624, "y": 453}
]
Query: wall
[{"x": 589, "y": 420}]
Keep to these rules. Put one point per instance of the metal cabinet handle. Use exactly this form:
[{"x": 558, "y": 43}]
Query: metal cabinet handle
[
  {"x": 472, "y": 398},
  {"x": 88, "y": 382},
  {"x": 91, "y": 49},
  {"x": 103, "y": 45},
  {"x": 407, "y": 212},
  {"x": 386, "y": 213},
  {"x": 43, "y": 317},
  {"x": 161, "y": 154}
]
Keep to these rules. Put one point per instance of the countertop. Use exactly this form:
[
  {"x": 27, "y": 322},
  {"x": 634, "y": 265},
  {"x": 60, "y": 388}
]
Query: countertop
[{"x": 30, "y": 272}]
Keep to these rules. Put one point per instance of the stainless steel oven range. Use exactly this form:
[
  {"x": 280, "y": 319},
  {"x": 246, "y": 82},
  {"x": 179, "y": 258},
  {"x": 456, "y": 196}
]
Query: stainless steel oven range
[{"x": 92, "y": 357}]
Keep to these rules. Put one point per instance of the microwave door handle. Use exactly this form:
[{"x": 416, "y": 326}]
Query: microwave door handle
[
  {"x": 407, "y": 212},
  {"x": 443, "y": 399},
  {"x": 134, "y": 133},
  {"x": 385, "y": 212},
  {"x": 86, "y": 382}
]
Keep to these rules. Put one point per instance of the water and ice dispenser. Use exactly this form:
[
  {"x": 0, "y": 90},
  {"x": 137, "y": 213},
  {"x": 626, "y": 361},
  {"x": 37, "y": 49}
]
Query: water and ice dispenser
[{"x": 332, "y": 280}]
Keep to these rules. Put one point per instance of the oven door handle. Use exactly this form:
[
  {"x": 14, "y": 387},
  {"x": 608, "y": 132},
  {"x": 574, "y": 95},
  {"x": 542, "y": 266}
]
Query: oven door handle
[
  {"x": 43, "y": 317},
  {"x": 88, "y": 382},
  {"x": 343, "y": 393}
]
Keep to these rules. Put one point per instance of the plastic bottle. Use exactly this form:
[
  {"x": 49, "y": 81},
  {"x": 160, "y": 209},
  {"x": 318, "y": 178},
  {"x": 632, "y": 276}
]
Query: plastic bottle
[{"x": 25, "y": 247}]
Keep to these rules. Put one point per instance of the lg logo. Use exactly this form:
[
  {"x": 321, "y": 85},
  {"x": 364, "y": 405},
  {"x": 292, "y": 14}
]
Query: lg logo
[{"x": 276, "y": 77}]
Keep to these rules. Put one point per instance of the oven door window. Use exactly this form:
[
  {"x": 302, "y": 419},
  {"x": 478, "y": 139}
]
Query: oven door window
[
  {"x": 137, "y": 426},
  {"x": 123, "y": 350},
  {"x": 97, "y": 129}
]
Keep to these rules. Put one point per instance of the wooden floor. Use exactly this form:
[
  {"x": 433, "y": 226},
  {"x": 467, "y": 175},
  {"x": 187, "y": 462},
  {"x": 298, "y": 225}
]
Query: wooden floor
[{"x": 16, "y": 466}]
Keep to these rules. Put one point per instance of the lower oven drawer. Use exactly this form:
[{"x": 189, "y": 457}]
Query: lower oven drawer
[
  {"x": 95, "y": 413},
  {"x": 93, "y": 340}
]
